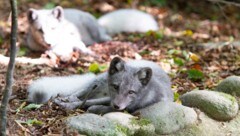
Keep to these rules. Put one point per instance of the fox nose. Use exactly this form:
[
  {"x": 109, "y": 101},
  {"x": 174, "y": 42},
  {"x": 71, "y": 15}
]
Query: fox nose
[
  {"x": 116, "y": 106},
  {"x": 49, "y": 45}
]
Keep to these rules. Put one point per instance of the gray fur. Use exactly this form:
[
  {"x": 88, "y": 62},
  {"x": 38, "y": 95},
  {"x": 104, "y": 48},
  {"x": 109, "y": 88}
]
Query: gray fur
[
  {"x": 148, "y": 88},
  {"x": 39, "y": 97},
  {"x": 146, "y": 91},
  {"x": 127, "y": 86}
]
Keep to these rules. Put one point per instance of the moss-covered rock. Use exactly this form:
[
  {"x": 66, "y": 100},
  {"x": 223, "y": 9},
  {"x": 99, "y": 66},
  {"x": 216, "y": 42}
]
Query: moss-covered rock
[
  {"x": 95, "y": 125},
  {"x": 217, "y": 105},
  {"x": 135, "y": 126},
  {"x": 206, "y": 126},
  {"x": 230, "y": 85},
  {"x": 168, "y": 117}
]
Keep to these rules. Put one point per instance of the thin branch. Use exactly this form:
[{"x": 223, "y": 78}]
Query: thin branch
[
  {"x": 226, "y": 2},
  {"x": 9, "y": 76},
  {"x": 223, "y": 13}
]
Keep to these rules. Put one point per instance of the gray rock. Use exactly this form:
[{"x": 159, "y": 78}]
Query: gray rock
[
  {"x": 230, "y": 85},
  {"x": 135, "y": 126},
  {"x": 206, "y": 126},
  {"x": 94, "y": 125},
  {"x": 217, "y": 105},
  {"x": 168, "y": 117}
]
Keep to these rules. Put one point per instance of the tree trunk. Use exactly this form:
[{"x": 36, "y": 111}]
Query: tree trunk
[{"x": 9, "y": 75}]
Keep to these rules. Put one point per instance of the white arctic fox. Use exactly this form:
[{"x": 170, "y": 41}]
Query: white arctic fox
[
  {"x": 63, "y": 31},
  {"x": 128, "y": 20},
  {"x": 125, "y": 86}
]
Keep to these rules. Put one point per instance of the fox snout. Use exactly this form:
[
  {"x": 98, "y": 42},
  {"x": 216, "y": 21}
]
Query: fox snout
[
  {"x": 118, "y": 106},
  {"x": 120, "y": 103}
]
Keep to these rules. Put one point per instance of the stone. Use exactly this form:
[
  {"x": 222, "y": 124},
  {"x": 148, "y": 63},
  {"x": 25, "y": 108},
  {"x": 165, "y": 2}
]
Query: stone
[
  {"x": 94, "y": 125},
  {"x": 168, "y": 117},
  {"x": 134, "y": 125},
  {"x": 217, "y": 105},
  {"x": 230, "y": 85},
  {"x": 207, "y": 126}
]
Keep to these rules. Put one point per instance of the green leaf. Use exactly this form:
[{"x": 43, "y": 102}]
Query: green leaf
[
  {"x": 178, "y": 43},
  {"x": 32, "y": 106},
  {"x": 186, "y": 55},
  {"x": 144, "y": 52},
  {"x": 231, "y": 39},
  {"x": 1, "y": 40},
  {"x": 30, "y": 122},
  {"x": 103, "y": 68},
  {"x": 49, "y": 5},
  {"x": 31, "y": 0},
  {"x": 195, "y": 75},
  {"x": 94, "y": 68},
  {"x": 149, "y": 33},
  {"x": 174, "y": 52},
  {"x": 22, "y": 51},
  {"x": 159, "y": 3},
  {"x": 80, "y": 70},
  {"x": 178, "y": 61},
  {"x": 176, "y": 96},
  {"x": 158, "y": 35}
]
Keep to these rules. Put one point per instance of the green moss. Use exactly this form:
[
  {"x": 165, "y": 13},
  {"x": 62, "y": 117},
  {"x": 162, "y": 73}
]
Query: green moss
[
  {"x": 219, "y": 111},
  {"x": 227, "y": 96},
  {"x": 141, "y": 122},
  {"x": 230, "y": 85},
  {"x": 123, "y": 130},
  {"x": 189, "y": 131}
]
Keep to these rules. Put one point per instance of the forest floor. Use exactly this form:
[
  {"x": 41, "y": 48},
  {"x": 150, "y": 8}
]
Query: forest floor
[{"x": 197, "y": 51}]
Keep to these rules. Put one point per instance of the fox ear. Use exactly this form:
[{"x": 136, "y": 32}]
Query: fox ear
[
  {"x": 32, "y": 15},
  {"x": 58, "y": 13},
  {"x": 144, "y": 75},
  {"x": 117, "y": 64}
]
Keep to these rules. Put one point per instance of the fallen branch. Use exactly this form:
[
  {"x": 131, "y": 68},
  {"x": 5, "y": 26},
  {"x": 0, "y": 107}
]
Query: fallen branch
[{"x": 24, "y": 60}]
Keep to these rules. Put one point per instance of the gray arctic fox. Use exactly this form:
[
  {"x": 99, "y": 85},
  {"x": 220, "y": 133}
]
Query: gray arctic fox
[{"x": 130, "y": 86}]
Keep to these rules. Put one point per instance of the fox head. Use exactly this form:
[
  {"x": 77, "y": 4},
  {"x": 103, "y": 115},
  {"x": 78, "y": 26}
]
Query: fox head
[
  {"x": 125, "y": 83},
  {"x": 52, "y": 31},
  {"x": 45, "y": 25}
]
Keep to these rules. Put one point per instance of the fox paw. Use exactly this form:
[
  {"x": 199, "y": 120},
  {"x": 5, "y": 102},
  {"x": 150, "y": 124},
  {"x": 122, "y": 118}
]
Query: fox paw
[
  {"x": 68, "y": 105},
  {"x": 71, "y": 98},
  {"x": 100, "y": 109}
]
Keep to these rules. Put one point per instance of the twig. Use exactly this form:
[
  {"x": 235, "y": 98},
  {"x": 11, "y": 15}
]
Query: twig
[
  {"x": 226, "y": 2},
  {"x": 87, "y": 96},
  {"x": 9, "y": 76},
  {"x": 223, "y": 13},
  {"x": 23, "y": 128}
]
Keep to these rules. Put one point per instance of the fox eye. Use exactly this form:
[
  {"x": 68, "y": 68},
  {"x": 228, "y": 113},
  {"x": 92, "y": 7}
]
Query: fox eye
[
  {"x": 40, "y": 30},
  {"x": 116, "y": 87},
  {"x": 131, "y": 92}
]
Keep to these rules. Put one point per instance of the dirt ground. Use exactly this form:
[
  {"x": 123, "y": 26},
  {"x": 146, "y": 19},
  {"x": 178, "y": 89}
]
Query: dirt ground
[{"x": 206, "y": 43}]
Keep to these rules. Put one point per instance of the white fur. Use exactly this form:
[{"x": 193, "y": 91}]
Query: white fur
[
  {"x": 64, "y": 86},
  {"x": 74, "y": 29},
  {"x": 62, "y": 35},
  {"x": 128, "y": 20}
]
